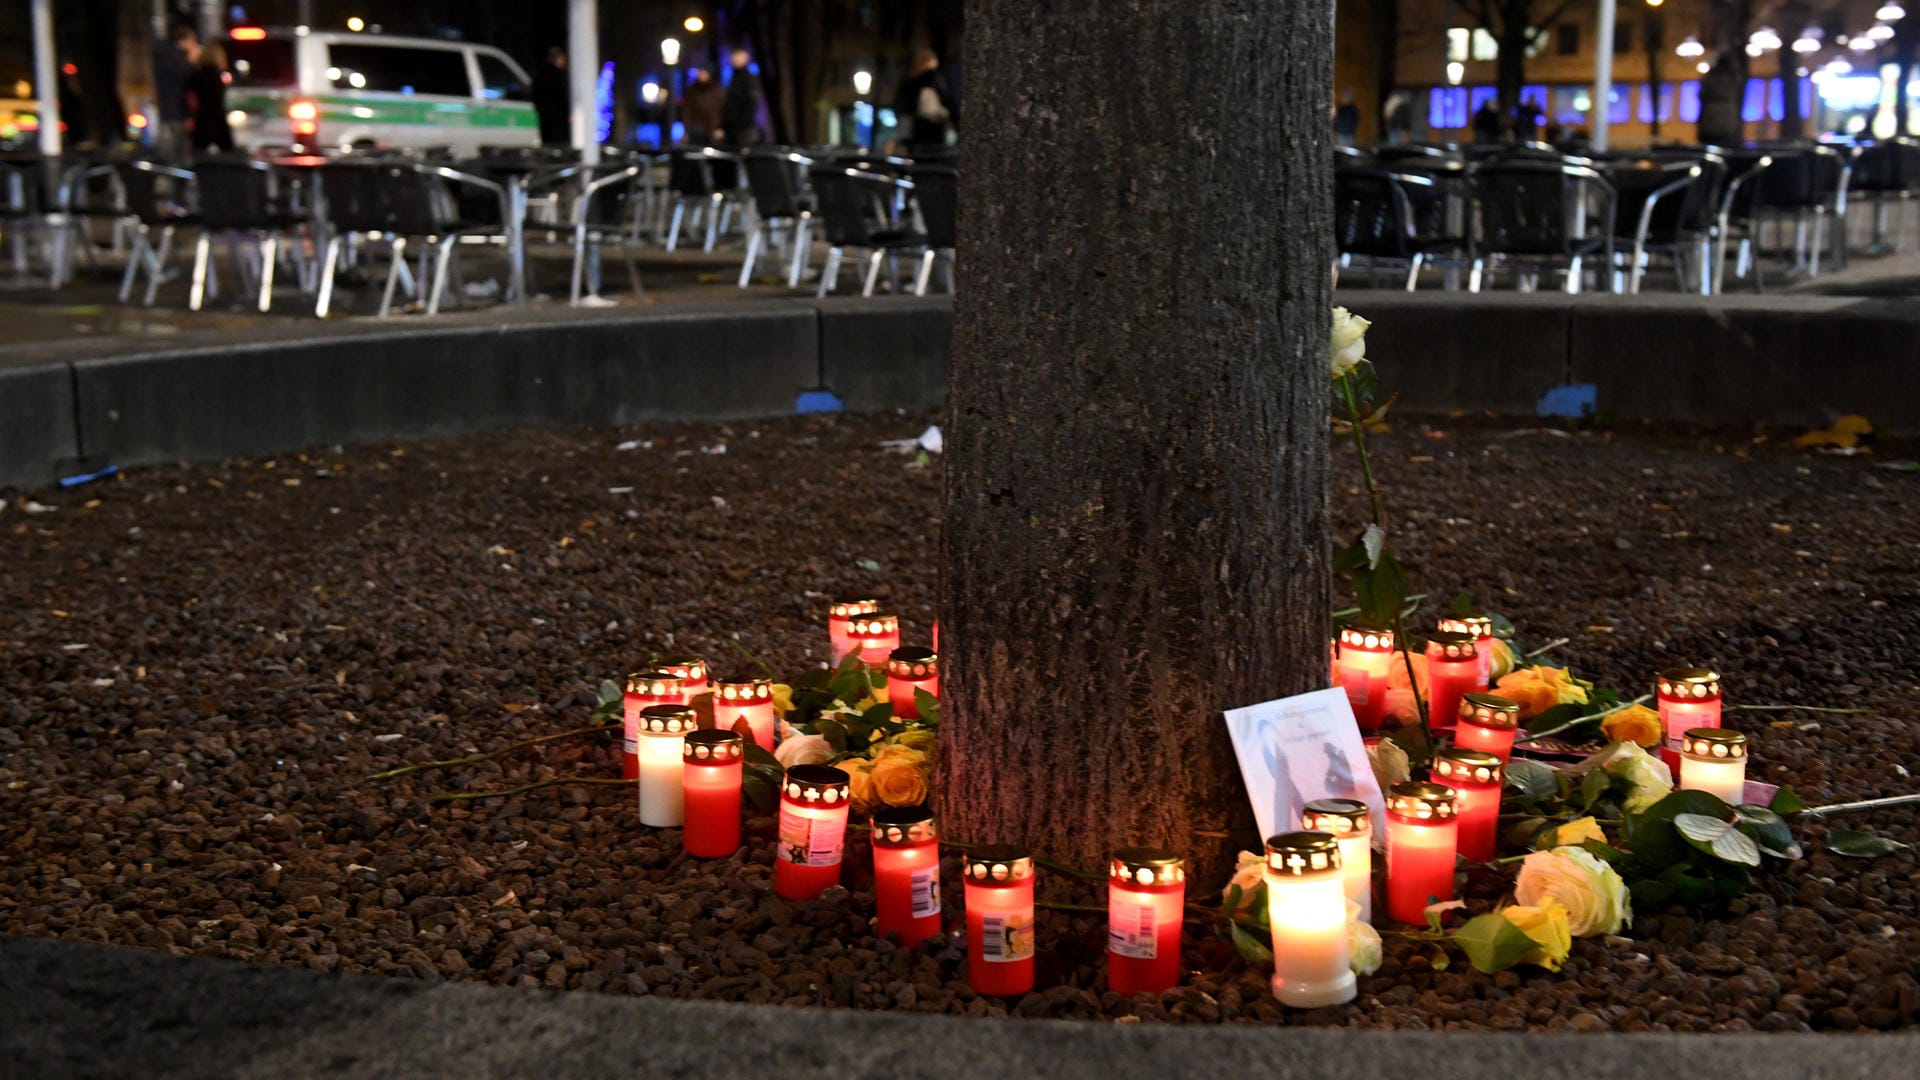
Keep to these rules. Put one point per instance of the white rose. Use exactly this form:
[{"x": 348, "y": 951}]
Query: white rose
[
  {"x": 1363, "y": 943},
  {"x": 1594, "y": 896},
  {"x": 1650, "y": 778},
  {"x": 1349, "y": 345},
  {"x": 1249, "y": 873},
  {"x": 804, "y": 750},
  {"x": 1390, "y": 765}
]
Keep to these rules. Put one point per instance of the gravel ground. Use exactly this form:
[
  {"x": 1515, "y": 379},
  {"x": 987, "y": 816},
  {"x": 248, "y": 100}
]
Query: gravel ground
[{"x": 200, "y": 665}]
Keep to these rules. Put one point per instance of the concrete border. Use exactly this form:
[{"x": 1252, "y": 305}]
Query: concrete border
[
  {"x": 37, "y": 422},
  {"x": 86, "y": 1010}
]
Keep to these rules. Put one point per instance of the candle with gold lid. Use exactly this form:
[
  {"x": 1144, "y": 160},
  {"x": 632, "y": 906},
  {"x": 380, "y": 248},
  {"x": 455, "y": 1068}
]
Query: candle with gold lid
[
  {"x": 745, "y": 698},
  {"x": 1476, "y": 778},
  {"x": 875, "y": 634},
  {"x": 1423, "y": 837},
  {"x": 1307, "y": 909},
  {"x": 1453, "y": 671},
  {"x": 1689, "y": 698},
  {"x": 1000, "y": 929},
  {"x": 643, "y": 688},
  {"x": 1481, "y": 627},
  {"x": 911, "y": 668},
  {"x": 1146, "y": 913},
  {"x": 1714, "y": 760},
  {"x": 838, "y": 613},
  {"x": 1366, "y": 655},
  {"x": 663, "y": 730},
  {"x": 713, "y": 760},
  {"x": 1487, "y": 722},
  {"x": 1351, "y": 823},
  {"x": 812, "y": 831},
  {"x": 692, "y": 671},
  {"x": 906, "y": 873}
]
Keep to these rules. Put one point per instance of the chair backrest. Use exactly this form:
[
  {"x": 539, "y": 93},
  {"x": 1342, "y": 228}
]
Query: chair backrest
[
  {"x": 1801, "y": 177},
  {"x": 612, "y": 189},
  {"x": 1371, "y": 213},
  {"x": 387, "y": 197},
  {"x": 152, "y": 191},
  {"x": 1540, "y": 208},
  {"x": 1670, "y": 214},
  {"x": 850, "y": 202},
  {"x": 936, "y": 190},
  {"x": 774, "y": 180},
  {"x": 236, "y": 193}
]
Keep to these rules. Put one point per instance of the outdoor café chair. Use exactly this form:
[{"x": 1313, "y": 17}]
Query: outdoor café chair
[
  {"x": 1541, "y": 216},
  {"x": 856, "y": 207},
  {"x": 603, "y": 196},
  {"x": 397, "y": 202},
  {"x": 705, "y": 182},
  {"x": 243, "y": 201},
  {"x": 1661, "y": 200},
  {"x": 781, "y": 206},
  {"x": 1738, "y": 202},
  {"x": 160, "y": 199},
  {"x": 1886, "y": 176},
  {"x": 936, "y": 198},
  {"x": 1807, "y": 184},
  {"x": 1377, "y": 216}
]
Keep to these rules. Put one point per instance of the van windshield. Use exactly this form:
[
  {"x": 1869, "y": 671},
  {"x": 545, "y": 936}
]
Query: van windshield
[{"x": 261, "y": 63}]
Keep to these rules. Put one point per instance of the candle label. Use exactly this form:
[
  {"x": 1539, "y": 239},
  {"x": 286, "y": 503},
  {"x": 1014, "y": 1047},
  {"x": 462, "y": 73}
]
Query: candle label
[
  {"x": 1006, "y": 936},
  {"x": 926, "y": 892},
  {"x": 811, "y": 841},
  {"x": 1131, "y": 931}
]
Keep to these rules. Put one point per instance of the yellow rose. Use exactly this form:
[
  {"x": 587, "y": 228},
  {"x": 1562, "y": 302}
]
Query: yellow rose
[
  {"x": 1349, "y": 343},
  {"x": 1648, "y": 776},
  {"x": 916, "y": 739},
  {"x": 782, "y": 699},
  {"x": 1400, "y": 702},
  {"x": 859, "y": 783},
  {"x": 900, "y": 777},
  {"x": 1574, "y": 832},
  {"x": 1594, "y": 896},
  {"x": 1548, "y": 926},
  {"x": 1634, "y": 724},
  {"x": 1539, "y": 688},
  {"x": 1503, "y": 655}
]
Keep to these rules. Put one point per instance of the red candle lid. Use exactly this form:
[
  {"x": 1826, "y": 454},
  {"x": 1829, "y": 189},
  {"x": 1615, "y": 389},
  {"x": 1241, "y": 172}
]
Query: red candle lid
[
  {"x": 655, "y": 683},
  {"x": 667, "y": 720},
  {"x": 841, "y": 609},
  {"x": 1364, "y": 636},
  {"x": 742, "y": 691},
  {"x": 1336, "y": 816},
  {"x": 903, "y": 826},
  {"x": 1477, "y": 625},
  {"x": 873, "y": 625},
  {"x": 690, "y": 668},
  {"x": 998, "y": 864},
  {"x": 1489, "y": 710},
  {"x": 1421, "y": 801},
  {"x": 816, "y": 785},
  {"x": 1715, "y": 742}
]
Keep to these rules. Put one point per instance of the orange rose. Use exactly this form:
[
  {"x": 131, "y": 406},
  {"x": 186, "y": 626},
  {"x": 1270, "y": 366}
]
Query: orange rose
[
  {"x": 1539, "y": 688},
  {"x": 1400, "y": 702},
  {"x": 1634, "y": 724}
]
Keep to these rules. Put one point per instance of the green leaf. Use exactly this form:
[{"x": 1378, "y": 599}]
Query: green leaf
[
  {"x": 834, "y": 732},
  {"x": 1603, "y": 852},
  {"x": 1492, "y": 942},
  {"x": 1786, "y": 802},
  {"x": 879, "y": 714},
  {"x": 1381, "y": 589},
  {"x": 610, "y": 691},
  {"x": 1861, "y": 845},
  {"x": 1592, "y": 786},
  {"x": 1502, "y": 626},
  {"x": 760, "y": 755},
  {"x": 1374, "y": 540},
  {"x": 1559, "y": 716},
  {"x": 1462, "y": 605},
  {"x": 1439, "y": 961},
  {"x": 1682, "y": 802},
  {"x": 1437, "y": 911},
  {"x": 1234, "y": 895},
  {"x": 928, "y": 706},
  {"x": 1252, "y": 949},
  {"x": 1350, "y": 558},
  {"x": 1718, "y": 838},
  {"x": 1532, "y": 779},
  {"x": 1769, "y": 830}
]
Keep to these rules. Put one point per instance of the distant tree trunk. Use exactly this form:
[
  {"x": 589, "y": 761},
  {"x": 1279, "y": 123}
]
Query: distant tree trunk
[
  {"x": 1510, "y": 67},
  {"x": 1795, "y": 16},
  {"x": 1386, "y": 79},
  {"x": 1723, "y": 89},
  {"x": 1136, "y": 533},
  {"x": 1905, "y": 38}
]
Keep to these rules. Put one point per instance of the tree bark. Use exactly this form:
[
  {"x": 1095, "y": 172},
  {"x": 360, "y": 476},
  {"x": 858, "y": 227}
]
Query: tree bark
[
  {"x": 1136, "y": 487},
  {"x": 1723, "y": 89}
]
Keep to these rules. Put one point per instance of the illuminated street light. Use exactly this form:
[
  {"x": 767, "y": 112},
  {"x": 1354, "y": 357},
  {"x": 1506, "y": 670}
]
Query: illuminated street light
[
  {"x": 356, "y": 24},
  {"x": 862, "y": 82},
  {"x": 1863, "y": 44},
  {"x": 1691, "y": 47},
  {"x": 1808, "y": 41},
  {"x": 1703, "y": 67},
  {"x": 650, "y": 92},
  {"x": 694, "y": 24},
  {"x": 1456, "y": 71},
  {"x": 1890, "y": 13},
  {"x": 1763, "y": 39},
  {"x": 1880, "y": 32},
  {"x": 670, "y": 51}
]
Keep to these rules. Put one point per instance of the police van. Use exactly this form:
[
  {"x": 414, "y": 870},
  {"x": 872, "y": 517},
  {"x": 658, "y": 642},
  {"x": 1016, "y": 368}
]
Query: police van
[{"x": 321, "y": 89}]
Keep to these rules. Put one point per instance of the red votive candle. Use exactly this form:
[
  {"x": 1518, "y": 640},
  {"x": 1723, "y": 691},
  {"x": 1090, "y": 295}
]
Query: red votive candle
[
  {"x": 1453, "y": 671},
  {"x": 875, "y": 635},
  {"x": 1146, "y": 910},
  {"x": 746, "y": 699},
  {"x": 1487, "y": 722},
  {"x": 692, "y": 672},
  {"x": 909, "y": 669},
  {"x": 1366, "y": 655},
  {"x": 999, "y": 889},
  {"x": 713, "y": 759},
  {"x": 813, "y": 831},
  {"x": 838, "y": 613},
  {"x": 906, "y": 874},
  {"x": 1476, "y": 778},
  {"x": 644, "y": 688},
  {"x": 1423, "y": 837},
  {"x": 1689, "y": 698},
  {"x": 1481, "y": 627}
]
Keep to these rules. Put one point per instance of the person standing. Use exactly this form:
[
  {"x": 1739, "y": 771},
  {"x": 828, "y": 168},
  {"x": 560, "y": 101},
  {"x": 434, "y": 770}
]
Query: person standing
[
  {"x": 173, "y": 61},
  {"x": 1486, "y": 123},
  {"x": 924, "y": 103},
  {"x": 1346, "y": 120},
  {"x": 207, "y": 90},
  {"x": 740, "y": 112},
  {"x": 702, "y": 108},
  {"x": 553, "y": 100},
  {"x": 1399, "y": 118}
]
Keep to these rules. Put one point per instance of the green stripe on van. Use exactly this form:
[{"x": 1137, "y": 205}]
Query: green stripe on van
[{"x": 339, "y": 109}]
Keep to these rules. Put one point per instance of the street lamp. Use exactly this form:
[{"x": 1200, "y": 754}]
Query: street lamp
[
  {"x": 862, "y": 82},
  {"x": 694, "y": 24},
  {"x": 1655, "y": 34},
  {"x": 1690, "y": 48},
  {"x": 1808, "y": 41},
  {"x": 669, "y": 55},
  {"x": 356, "y": 23},
  {"x": 1763, "y": 39},
  {"x": 1890, "y": 13}
]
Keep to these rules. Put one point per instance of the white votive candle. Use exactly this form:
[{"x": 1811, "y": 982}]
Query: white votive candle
[
  {"x": 1307, "y": 907},
  {"x": 663, "y": 733}
]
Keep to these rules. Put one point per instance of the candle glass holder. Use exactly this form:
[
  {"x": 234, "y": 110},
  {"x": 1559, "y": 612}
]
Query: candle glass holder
[
  {"x": 749, "y": 699},
  {"x": 1366, "y": 657},
  {"x": 1423, "y": 837},
  {"x": 1476, "y": 778},
  {"x": 1481, "y": 627},
  {"x": 838, "y": 613},
  {"x": 906, "y": 874},
  {"x": 1453, "y": 672},
  {"x": 1000, "y": 930},
  {"x": 663, "y": 732},
  {"x": 813, "y": 831},
  {"x": 1714, "y": 760},
  {"x": 1351, "y": 823},
  {"x": 692, "y": 672},
  {"x": 713, "y": 761},
  {"x": 909, "y": 669},
  {"x": 1146, "y": 914},
  {"x": 1688, "y": 698},
  {"x": 1307, "y": 909},
  {"x": 1487, "y": 722},
  {"x": 875, "y": 635},
  {"x": 643, "y": 688}
]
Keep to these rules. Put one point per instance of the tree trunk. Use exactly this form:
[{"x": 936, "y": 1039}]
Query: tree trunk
[
  {"x": 1794, "y": 17},
  {"x": 1723, "y": 89},
  {"x": 1510, "y": 67},
  {"x": 1386, "y": 78},
  {"x": 1136, "y": 489}
]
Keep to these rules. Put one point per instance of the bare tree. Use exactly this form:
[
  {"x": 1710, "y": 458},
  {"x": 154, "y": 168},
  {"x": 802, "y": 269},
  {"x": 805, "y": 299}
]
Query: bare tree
[{"x": 1516, "y": 27}]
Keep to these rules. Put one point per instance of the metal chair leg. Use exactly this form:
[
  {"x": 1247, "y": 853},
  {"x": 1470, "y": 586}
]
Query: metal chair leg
[
  {"x": 393, "y": 275},
  {"x": 1413, "y": 271},
  {"x": 714, "y": 204},
  {"x": 442, "y": 258},
  {"x": 1473, "y": 276},
  {"x": 135, "y": 260},
  {"x": 269, "y": 252},
  {"x": 579, "y": 263},
  {"x": 673, "y": 229},
  {"x": 1819, "y": 241},
  {"x": 202, "y": 255},
  {"x": 633, "y": 267},
  {"x": 753, "y": 254},
  {"x": 874, "y": 260},
  {"x": 159, "y": 266},
  {"x": 925, "y": 274},
  {"x": 1573, "y": 275},
  {"x": 327, "y": 263},
  {"x": 802, "y": 241},
  {"x": 830, "y": 273}
]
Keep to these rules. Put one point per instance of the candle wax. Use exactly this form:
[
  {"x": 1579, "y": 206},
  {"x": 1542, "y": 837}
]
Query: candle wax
[
  {"x": 758, "y": 715},
  {"x": 906, "y": 891},
  {"x": 1477, "y": 808},
  {"x": 1680, "y": 717},
  {"x": 1000, "y": 937},
  {"x": 1144, "y": 929},
  {"x": 1311, "y": 965},
  {"x": 1447, "y": 682},
  {"x": 1497, "y": 741},
  {"x": 662, "y": 798},
  {"x": 900, "y": 693},
  {"x": 712, "y": 810},
  {"x": 1722, "y": 777},
  {"x": 1420, "y": 861},
  {"x": 807, "y": 856}
]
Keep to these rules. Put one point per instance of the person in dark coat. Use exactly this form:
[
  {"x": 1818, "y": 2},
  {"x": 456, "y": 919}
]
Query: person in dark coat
[
  {"x": 207, "y": 90},
  {"x": 924, "y": 103},
  {"x": 1486, "y": 123},
  {"x": 702, "y": 110},
  {"x": 553, "y": 100},
  {"x": 173, "y": 62},
  {"x": 740, "y": 112}
]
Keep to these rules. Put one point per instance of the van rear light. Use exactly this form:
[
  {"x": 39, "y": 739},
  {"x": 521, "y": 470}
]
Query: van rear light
[
  {"x": 249, "y": 33},
  {"x": 305, "y": 116}
]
